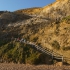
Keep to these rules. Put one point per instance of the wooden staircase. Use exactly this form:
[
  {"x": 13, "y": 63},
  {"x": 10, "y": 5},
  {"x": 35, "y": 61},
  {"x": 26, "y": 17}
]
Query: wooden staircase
[{"x": 53, "y": 54}]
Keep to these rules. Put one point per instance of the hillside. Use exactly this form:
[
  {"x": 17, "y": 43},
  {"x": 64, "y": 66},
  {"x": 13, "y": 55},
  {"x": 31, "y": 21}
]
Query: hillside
[
  {"x": 49, "y": 28},
  {"x": 56, "y": 10}
]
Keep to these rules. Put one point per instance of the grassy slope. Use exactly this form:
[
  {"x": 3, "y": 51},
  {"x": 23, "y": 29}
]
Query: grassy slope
[
  {"x": 44, "y": 32},
  {"x": 24, "y": 53}
]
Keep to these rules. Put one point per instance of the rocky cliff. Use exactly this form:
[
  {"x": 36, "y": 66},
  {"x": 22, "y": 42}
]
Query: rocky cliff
[{"x": 48, "y": 27}]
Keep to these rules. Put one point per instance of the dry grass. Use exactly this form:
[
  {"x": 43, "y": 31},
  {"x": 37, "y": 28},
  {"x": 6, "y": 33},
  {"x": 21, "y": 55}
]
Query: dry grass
[
  {"x": 30, "y": 11},
  {"x": 5, "y": 66}
]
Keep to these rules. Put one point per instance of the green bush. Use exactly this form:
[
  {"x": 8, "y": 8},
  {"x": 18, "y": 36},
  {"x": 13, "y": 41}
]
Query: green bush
[
  {"x": 66, "y": 48},
  {"x": 55, "y": 45},
  {"x": 22, "y": 53},
  {"x": 35, "y": 39},
  {"x": 33, "y": 59},
  {"x": 3, "y": 42},
  {"x": 67, "y": 19}
]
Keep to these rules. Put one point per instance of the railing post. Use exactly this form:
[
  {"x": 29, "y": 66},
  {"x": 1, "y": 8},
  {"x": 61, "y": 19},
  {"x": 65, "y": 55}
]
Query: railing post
[
  {"x": 62, "y": 59},
  {"x": 52, "y": 56}
]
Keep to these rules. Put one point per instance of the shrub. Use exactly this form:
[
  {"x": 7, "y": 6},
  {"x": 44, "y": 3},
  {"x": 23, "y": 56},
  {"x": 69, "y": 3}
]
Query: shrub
[
  {"x": 66, "y": 48},
  {"x": 67, "y": 19},
  {"x": 33, "y": 59},
  {"x": 55, "y": 45},
  {"x": 3, "y": 42},
  {"x": 22, "y": 53},
  {"x": 35, "y": 39}
]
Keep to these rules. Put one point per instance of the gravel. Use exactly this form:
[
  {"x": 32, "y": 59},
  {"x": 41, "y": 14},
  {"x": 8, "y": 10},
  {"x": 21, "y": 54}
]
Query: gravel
[{"x": 11, "y": 66}]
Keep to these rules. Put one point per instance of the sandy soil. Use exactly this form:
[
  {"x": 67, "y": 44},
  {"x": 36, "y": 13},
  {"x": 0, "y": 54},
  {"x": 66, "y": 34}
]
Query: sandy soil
[{"x": 11, "y": 66}]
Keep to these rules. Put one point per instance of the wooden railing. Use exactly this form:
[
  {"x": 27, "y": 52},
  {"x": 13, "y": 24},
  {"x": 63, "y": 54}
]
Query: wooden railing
[{"x": 49, "y": 52}]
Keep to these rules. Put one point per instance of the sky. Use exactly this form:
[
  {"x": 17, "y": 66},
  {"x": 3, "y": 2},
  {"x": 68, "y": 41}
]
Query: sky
[{"x": 13, "y": 5}]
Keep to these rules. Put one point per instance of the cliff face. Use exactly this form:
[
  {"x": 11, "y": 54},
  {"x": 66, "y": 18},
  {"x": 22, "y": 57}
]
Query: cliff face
[
  {"x": 48, "y": 26},
  {"x": 58, "y": 9}
]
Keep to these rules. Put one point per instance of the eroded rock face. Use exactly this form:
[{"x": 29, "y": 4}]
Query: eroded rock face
[
  {"x": 48, "y": 26},
  {"x": 56, "y": 10}
]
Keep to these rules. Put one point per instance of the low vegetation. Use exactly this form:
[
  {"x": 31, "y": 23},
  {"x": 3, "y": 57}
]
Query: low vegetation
[
  {"x": 55, "y": 45},
  {"x": 48, "y": 27},
  {"x": 67, "y": 19},
  {"x": 66, "y": 48},
  {"x": 17, "y": 52}
]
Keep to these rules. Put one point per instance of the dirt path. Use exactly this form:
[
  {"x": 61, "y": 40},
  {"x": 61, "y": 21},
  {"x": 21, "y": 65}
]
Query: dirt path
[{"x": 5, "y": 66}]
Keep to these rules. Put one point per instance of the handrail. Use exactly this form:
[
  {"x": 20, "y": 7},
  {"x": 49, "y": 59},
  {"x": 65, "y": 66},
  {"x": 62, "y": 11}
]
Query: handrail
[{"x": 46, "y": 51}]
